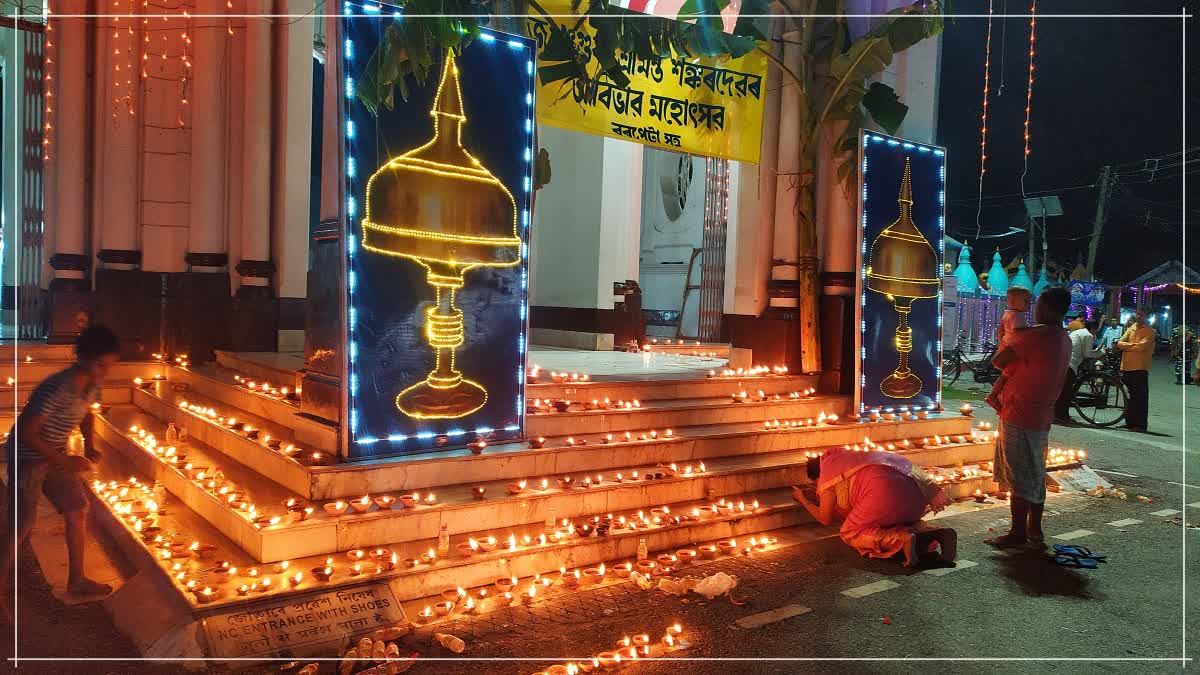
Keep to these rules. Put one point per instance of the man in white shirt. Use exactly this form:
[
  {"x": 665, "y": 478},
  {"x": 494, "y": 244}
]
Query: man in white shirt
[{"x": 1082, "y": 341}]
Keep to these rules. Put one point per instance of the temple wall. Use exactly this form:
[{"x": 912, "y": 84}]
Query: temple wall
[{"x": 180, "y": 176}]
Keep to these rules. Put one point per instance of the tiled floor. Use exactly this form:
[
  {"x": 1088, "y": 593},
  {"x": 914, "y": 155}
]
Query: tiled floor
[{"x": 609, "y": 366}]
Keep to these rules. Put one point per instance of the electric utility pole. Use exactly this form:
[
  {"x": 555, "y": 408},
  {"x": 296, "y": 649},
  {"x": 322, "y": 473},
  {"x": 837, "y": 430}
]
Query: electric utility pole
[{"x": 1106, "y": 184}]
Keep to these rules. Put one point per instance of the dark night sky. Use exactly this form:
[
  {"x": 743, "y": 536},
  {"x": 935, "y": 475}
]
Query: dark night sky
[{"x": 1106, "y": 91}]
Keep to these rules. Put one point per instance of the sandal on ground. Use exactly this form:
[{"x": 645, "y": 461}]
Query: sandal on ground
[
  {"x": 1068, "y": 560},
  {"x": 89, "y": 587},
  {"x": 1080, "y": 552}
]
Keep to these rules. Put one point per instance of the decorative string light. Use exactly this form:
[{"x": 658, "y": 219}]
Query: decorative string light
[
  {"x": 1028, "y": 107},
  {"x": 1029, "y": 90},
  {"x": 130, "y": 63},
  {"x": 987, "y": 72},
  {"x": 229, "y": 21},
  {"x": 185, "y": 58},
  {"x": 116, "y": 53},
  {"x": 122, "y": 79},
  {"x": 48, "y": 86}
]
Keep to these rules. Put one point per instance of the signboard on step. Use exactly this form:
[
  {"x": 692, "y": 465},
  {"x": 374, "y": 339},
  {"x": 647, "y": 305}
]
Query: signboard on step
[
  {"x": 1076, "y": 479},
  {"x": 298, "y": 624}
]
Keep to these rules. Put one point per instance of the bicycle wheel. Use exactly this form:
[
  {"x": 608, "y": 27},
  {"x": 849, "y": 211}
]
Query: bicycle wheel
[
  {"x": 1101, "y": 400},
  {"x": 951, "y": 368}
]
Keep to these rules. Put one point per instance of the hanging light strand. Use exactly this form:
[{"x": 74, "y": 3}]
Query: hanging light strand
[
  {"x": 987, "y": 73},
  {"x": 117, "y": 75},
  {"x": 185, "y": 64},
  {"x": 130, "y": 62},
  {"x": 229, "y": 21},
  {"x": 1029, "y": 89},
  {"x": 48, "y": 86}
]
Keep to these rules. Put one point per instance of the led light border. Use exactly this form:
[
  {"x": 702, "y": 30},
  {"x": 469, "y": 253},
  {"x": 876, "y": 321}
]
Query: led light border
[
  {"x": 397, "y": 443},
  {"x": 866, "y": 138}
]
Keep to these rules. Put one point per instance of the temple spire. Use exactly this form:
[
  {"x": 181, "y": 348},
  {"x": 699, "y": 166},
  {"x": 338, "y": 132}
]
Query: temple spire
[
  {"x": 906, "y": 186},
  {"x": 448, "y": 101}
]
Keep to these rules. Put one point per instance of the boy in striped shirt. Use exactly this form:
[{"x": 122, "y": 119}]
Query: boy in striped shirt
[{"x": 39, "y": 464}]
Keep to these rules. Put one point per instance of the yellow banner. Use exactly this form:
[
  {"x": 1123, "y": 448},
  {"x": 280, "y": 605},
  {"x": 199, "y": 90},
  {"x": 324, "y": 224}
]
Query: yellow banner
[{"x": 695, "y": 105}]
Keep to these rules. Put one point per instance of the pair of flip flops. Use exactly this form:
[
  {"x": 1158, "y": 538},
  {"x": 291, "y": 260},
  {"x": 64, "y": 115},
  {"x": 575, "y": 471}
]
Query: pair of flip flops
[{"x": 1079, "y": 557}]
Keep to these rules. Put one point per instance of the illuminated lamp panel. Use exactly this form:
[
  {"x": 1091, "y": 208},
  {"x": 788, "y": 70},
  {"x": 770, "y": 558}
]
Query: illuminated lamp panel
[{"x": 438, "y": 206}]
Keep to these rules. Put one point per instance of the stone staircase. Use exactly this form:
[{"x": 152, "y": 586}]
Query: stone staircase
[{"x": 723, "y": 471}]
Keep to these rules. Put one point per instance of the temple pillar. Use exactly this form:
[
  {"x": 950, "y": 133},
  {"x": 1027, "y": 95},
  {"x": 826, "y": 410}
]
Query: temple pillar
[
  {"x": 324, "y": 342},
  {"x": 70, "y": 287},
  {"x": 293, "y": 171},
  {"x": 125, "y": 298},
  {"x": 837, "y": 206},
  {"x": 786, "y": 242},
  {"x": 254, "y": 324}
]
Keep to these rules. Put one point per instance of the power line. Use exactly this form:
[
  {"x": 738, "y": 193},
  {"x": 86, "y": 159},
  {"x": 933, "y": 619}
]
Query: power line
[
  {"x": 1154, "y": 179},
  {"x": 1035, "y": 193}
]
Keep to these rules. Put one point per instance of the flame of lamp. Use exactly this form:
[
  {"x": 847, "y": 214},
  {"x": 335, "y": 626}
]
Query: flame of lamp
[
  {"x": 449, "y": 219},
  {"x": 903, "y": 267}
]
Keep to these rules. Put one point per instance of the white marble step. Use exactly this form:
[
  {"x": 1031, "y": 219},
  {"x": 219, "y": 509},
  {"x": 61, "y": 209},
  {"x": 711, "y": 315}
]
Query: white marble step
[
  {"x": 654, "y": 389},
  {"x": 513, "y": 460},
  {"x": 456, "y": 506},
  {"x": 663, "y": 404},
  {"x": 111, "y": 392},
  {"x": 32, "y": 372},
  {"x": 38, "y": 350},
  {"x": 281, "y": 369},
  {"x": 690, "y": 444},
  {"x": 162, "y": 401},
  {"x": 674, "y": 413},
  {"x": 112, "y": 433},
  {"x": 777, "y": 510},
  {"x": 218, "y": 385}
]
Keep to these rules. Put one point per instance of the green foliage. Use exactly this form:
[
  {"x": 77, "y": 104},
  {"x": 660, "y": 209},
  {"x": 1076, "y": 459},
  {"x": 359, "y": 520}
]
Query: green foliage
[
  {"x": 541, "y": 169},
  {"x": 408, "y": 48},
  {"x": 885, "y": 107}
]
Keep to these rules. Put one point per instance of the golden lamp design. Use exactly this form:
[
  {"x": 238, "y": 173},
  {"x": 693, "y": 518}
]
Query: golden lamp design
[
  {"x": 439, "y": 207},
  {"x": 903, "y": 266}
]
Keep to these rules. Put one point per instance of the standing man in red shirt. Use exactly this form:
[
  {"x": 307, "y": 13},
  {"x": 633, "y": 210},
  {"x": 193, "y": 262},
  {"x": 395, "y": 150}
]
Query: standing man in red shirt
[{"x": 1035, "y": 364}]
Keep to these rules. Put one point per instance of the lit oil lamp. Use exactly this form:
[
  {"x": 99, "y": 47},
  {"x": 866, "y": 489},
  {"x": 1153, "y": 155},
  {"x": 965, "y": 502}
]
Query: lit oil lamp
[
  {"x": 966, "y": 409},
  {"x": 361, "y": 505},
  {"x": 336, "y": 508},
  {"x": 517, "y": 487},
  {"x": 468, "y": 549},
  {"x": 324, "y": 572}
]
